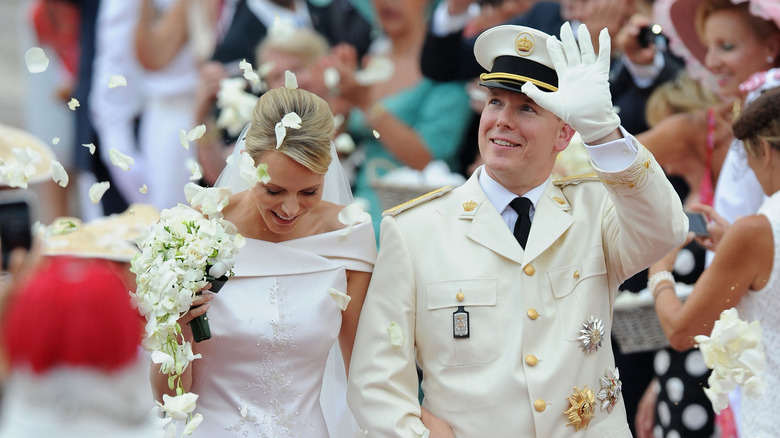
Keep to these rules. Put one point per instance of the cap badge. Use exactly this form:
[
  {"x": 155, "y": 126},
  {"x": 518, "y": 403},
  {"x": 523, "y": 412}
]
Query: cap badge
[{"x": 524, "y": 44}]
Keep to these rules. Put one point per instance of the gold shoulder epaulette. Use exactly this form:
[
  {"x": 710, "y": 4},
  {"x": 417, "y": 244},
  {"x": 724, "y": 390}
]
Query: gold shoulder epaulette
[
  {"x": 576, "y": 179},
  {"x": 416, "y": 201}
]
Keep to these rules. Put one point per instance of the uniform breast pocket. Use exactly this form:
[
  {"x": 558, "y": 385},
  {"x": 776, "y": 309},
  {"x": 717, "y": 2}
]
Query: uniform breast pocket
[
  {"x": 590, "y": 270},
  {"x": 478, "y": 336}
]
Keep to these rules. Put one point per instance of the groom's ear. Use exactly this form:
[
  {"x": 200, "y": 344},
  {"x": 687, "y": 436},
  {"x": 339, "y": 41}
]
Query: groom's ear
[{"x": 564, "y": 137}]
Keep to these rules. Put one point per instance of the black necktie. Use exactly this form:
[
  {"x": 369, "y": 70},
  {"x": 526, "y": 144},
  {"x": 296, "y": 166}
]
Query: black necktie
[{"x": 523, "y": 225}]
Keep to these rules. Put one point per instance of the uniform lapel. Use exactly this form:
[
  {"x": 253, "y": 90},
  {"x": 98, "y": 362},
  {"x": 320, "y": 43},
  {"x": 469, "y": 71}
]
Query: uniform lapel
[{"x": 551, "y": 220}]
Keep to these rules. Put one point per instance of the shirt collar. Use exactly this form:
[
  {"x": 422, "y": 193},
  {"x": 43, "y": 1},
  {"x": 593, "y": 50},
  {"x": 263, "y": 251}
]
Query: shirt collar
[{"x": 500, "y": 196}]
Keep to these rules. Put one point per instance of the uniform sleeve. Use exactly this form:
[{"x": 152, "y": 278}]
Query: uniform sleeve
[
  {"x": 645, "y": 220},
  {"x": 382, "y": 388}
]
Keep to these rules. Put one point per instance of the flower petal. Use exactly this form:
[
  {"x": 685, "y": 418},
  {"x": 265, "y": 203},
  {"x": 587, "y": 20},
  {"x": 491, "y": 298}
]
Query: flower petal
[
  {"x": 97, "y": 190},
  {"x": 341, "y": 299},
  {"x": 36, "y": 60},
  {"x": 73, "y": 104},
  {"x": 281, "y": 132},
  {"x": 290, "y": 81},
  {"x": 192, "y": 424},
  {"x": 331, "y": 77},
  {"x": 344, "y": 143},
  {"x": 196, "y": 132},
  {"x": 91, "y": 148},
  {"x": 117, "y": 81},
  {"x": 120, "y": 160},
  {"x": 58, "y": 174},
  {"x": 291, "y": 120},
  {"x": 379, "y": 69},
  {"x": 55, "y": 141},
  {"x": 195, "y": 169},
  {"x": 396, "y": 336},
  {"x": 249, "y": 73},
  {"x": 143, "y": 189}
]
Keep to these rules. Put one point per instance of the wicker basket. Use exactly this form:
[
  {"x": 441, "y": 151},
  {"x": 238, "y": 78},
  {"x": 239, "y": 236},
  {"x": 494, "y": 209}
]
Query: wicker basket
[
  {"x": 635, "y": 324},
  {"x": 391, "y": 193}
]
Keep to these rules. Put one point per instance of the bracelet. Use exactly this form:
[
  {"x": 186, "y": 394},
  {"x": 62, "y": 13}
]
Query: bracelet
[
  {"x": 659, "y": 289},
  {"x": 655, "y": 279}
]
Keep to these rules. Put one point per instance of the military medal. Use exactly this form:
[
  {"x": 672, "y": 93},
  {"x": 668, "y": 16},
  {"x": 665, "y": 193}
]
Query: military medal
[{"x": 460, "y": 323}]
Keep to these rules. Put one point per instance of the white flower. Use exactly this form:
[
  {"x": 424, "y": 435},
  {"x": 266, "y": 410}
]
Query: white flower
[
  {"x": 396, "y": 336},
  {"x": 247, "y": 170},
  {"x": 344, "y": 143},
  {"x": 340, "y": 298},
  {"x": 379, "y": 69},
  {"x": 352, "y": 215},
  {"x": 179, "y": 407},
  {"x": 211, "y": 200},
  {"x": 120, "y": 160},
  {"x": 290, "y": 120},
  {"x": 117, "y": 81},
  {"x": 36, "y": 60},
  {"x": 735, "y": 354},
  {"x": 97, "y": 190},
  {"x": 331, "y": 77},
  {"x": 195, "y": 169},
  {"x": 192, "y": 424},
  {"x": 58, "y": 174},
  {"x": 73, "y": 103},
  {"x": 91, "y": 148},
  {"x": 249, "y": 74},
  {"x": 290, "y": 81}
]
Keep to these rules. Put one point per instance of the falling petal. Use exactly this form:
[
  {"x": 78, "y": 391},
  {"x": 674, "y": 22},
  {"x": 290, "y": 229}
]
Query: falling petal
[
  {"x": 396, "y": 337},
  {"x": 36, "y": 60},
  {"x": 281, "y": 132},
  {"x": 55, "y": 141},
  {"x": 338, "y": 120},
  {"x": 183, "y": 139},
  {"x": 344, "y": 143},
  {"x": 117, "y": 81},
  {"x": 91, "y": 148},
  {"x": 265, "y": 68},
  {"x": 58, "y": 174},
  {"x": 290, "y": 81},
  {"x": 244, "y": 410},
  {"x": 331, "y": 77},
  {"x": 195, "y": 170},
  {"x": 291, "y": 120},
  {"x": 196, "y": 132},
  {"x": 97, "y": 190},
  {"x": 249, "y": 73},
  {"x": 341, "y": 299},
  {"x": 379, "y": 69},
  {"x": 376, "y": 133},
  {"x": 73, "y": 104},
  {"x": 120, "y": 160},
  {"x": 143, "y": 189}
]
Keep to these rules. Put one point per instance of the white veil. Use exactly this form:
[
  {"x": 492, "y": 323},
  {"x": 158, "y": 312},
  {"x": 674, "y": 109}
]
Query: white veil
[{"x": 336, "y": 189}]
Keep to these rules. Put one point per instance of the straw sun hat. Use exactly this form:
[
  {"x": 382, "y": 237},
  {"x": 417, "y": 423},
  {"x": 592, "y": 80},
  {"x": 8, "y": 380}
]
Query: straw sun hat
[{"x": 14, "y": 138}]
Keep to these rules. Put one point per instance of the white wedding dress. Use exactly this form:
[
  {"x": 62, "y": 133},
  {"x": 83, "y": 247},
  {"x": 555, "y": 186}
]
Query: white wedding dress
[
  {"x": 273, "y": 328},
  {"x": 758, "y": 414}
]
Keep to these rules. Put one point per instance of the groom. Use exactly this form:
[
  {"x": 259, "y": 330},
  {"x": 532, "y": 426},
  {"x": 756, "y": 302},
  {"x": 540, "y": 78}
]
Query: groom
[{"x": 501, "y": 290}]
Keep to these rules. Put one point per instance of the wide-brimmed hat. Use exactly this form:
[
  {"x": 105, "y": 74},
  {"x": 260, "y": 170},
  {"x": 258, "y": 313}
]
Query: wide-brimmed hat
[
  {"x": 111, "y": 237},
  {"x": 14, "y": 138},
  {"x": 514, "y": 55},
  {"x": 683, "y": 18}
]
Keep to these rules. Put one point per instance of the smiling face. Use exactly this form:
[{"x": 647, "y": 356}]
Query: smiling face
[
  {"x": 734, "y": 50},
  {"x": 519, "y": 140},
  {"x": 294, "y": 190}
]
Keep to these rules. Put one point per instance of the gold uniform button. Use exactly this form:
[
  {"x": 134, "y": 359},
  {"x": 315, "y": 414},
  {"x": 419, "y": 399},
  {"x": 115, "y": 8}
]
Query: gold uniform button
[
  {"x": 531, "y": 360},
  {"x": 540, "y": 405},
  {"x": 533, "y": 314},
  {"x": 459, "y": 296},
  {"x": 576, "y": 274},
  {"x": 529, "y": 270}
]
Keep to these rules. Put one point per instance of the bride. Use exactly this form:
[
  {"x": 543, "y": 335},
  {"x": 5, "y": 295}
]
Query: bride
[{"x": 275, "y": 323}]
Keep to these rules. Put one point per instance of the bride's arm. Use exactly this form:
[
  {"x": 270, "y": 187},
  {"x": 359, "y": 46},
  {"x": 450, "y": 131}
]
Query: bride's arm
[
  {"x": 357, "y": 285},
  {"x": 159, "y": 380}
]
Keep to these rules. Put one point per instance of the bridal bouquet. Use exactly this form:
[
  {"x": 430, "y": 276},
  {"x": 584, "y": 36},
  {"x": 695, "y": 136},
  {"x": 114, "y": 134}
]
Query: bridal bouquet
[
  {"x": 179, "y": 256},
  {"x": 735, "y": 354}
]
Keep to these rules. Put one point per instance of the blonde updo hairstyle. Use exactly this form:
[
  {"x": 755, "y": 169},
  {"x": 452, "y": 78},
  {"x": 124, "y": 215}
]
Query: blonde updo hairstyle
[
  {"x": 309, "y": 145},
  {"x": 760, "y": 120},
  {"x": 682, "y": 95}
]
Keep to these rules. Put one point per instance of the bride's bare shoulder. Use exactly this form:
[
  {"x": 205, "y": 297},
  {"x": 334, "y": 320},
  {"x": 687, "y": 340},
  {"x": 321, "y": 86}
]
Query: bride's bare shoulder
[{"x": 328, "y": 216}]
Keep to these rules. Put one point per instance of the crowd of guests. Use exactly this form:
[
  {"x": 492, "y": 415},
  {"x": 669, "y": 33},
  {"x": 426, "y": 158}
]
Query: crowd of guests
[{"x": 683, "y": 119}]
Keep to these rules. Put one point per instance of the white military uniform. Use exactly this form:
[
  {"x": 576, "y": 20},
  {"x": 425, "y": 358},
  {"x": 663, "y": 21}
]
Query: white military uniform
[{"x": 524, "y": 370}]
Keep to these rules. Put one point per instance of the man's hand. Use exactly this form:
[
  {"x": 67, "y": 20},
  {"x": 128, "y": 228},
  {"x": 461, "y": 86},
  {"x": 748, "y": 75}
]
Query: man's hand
[{"x": 583, "y": 99}]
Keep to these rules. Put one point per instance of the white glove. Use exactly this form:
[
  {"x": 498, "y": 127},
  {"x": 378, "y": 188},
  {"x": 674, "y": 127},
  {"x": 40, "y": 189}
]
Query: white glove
[{"x": 583, "y": 99}]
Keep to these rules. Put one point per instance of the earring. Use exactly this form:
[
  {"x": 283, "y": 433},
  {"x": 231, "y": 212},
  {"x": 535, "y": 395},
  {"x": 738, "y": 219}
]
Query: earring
[{"x": 770, "y": 59}]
